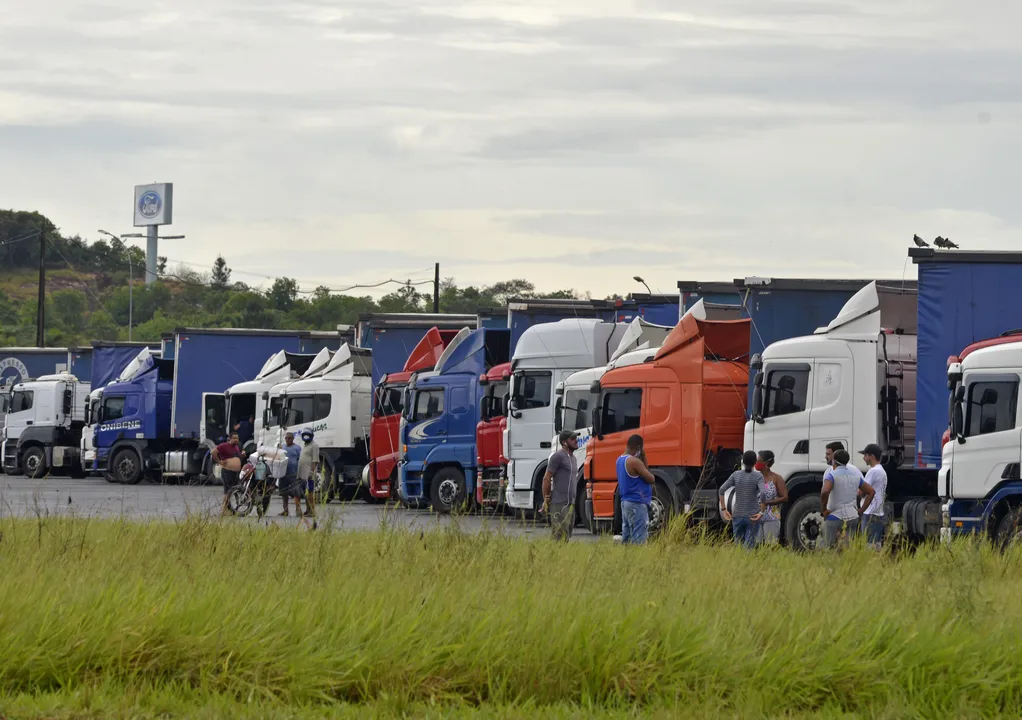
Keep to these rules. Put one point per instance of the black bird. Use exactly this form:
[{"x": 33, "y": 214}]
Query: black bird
[
  {"x": 919, "y": 241},
  {"x": 945, "y": 243}
]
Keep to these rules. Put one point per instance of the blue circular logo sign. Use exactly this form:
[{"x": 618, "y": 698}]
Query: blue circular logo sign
[
  {"x": 12, "y": 372},
  {"x": 150, "y": 204}
]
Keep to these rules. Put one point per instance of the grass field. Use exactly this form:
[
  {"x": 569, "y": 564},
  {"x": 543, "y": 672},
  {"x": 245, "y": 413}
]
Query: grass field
[{"x": 209, "y": 619}]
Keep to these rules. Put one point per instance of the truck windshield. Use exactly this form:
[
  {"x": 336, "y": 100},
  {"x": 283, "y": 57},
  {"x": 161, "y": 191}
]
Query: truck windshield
[
  {"x": 575, "y": 413},
  {"x": 390, "y": 399},
  {"x": 492, "y": 405}
]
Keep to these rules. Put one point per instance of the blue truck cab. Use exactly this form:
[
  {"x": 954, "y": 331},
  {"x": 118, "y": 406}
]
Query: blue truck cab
[{"x": 438, "y": 427}]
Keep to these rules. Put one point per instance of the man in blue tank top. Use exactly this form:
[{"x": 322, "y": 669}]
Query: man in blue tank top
[{"x": 635, "y": 486}]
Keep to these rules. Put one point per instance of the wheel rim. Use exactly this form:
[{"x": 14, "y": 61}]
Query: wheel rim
[
  {"x": 31, "y": 464},
  {"x": 657, "y": 513},
  {"x": 126, "y": 468},
  {"x": 448, "y": 491},
  {"x": 809, "y": 528}
]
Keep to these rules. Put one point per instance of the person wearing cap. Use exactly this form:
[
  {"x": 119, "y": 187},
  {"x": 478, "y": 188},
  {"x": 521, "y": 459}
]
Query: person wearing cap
[
  {"x": 841, "y": 488},
  {"x": 876, "y": 477},
  {"x": 559, "y": 486},
  {"x": 308, "y": 465}
]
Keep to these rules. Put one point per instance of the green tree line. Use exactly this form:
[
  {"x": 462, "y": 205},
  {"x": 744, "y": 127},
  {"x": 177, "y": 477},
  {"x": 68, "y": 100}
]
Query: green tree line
[{"x": 90, "y": 293}]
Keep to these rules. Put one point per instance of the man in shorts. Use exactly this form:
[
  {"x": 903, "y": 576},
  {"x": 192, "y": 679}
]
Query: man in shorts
[
  {"x": 308, "y": 465},
  {"x": 293, "y": 452}
]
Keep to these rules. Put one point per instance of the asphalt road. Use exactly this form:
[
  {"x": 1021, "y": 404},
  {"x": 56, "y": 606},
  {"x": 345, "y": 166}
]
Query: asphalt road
[{"x": 94, "y": 497}]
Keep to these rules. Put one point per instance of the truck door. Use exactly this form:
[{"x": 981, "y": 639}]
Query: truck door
[
  {"x": 22, "y": 413},
  {"x": 426, "y": 424},
  {"x": 619, "y": 414},
  {"x": 832, "y": 410},
  {"x": 783, "y": 424},
  {"x": 989, "y": 450},
  {"x": 531, "y": 424},
  {"x": 214, "y": 417}
]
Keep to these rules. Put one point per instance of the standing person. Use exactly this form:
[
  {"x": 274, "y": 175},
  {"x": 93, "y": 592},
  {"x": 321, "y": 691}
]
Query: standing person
[
  {"x": 841, "y": 488},
  {"x": 773, "y": 494},
  {"x": 559, "y": 486},
  {"x": 876, "y": 477},
  {"x": 245, "y": 430},
  {"x": 746, "y": 515},
  {"x": 635, "y": 487},
  {"x": 308, "y": 465},
  {"x": 286, "y": 483},
  {"x": 222, "y": 454}
]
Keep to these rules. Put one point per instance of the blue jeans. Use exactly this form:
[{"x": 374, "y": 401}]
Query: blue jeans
[
  {"x": 744, "y": 531},
  {"x": 634, "y": 522},
  {"x": 875, "y": 526}
]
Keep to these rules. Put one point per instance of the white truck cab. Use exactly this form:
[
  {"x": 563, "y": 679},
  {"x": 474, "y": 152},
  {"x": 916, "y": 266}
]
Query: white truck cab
[
  {"x": 336, "y": 402},
  {"x": 853, "y": 382},
  {"x": 44, "y": 425}
]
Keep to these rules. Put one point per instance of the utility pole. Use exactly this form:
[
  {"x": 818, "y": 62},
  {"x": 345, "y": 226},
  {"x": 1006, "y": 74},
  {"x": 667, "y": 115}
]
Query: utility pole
[
  {"x": 436, "y": 287},
  {"x": 40, "y": 322}
]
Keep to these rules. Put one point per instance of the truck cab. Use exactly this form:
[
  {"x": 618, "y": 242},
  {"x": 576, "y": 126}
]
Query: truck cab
[
  {"x": 335, "y": 403},
  {"x": 44, "y": 425},
  {"x": 490, "y": 458},
  {"x": 980, "y": 477},
  {"x": 251, "y": 399},
  {"x": 388, "y": 402},
  {"x": 854, "y": 382},
  {"x": 545, "y": 355},
  {"x": 439, "y": 453},
  {"x": 688, "y": 403}
]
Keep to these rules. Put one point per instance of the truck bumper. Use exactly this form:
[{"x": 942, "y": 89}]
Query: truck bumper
[
  {"x": 518, "y": 499},
  {"x": 490, "y": 488}
]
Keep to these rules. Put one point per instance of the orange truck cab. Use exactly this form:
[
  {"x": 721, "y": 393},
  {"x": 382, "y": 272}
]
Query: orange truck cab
[
  {"x": 688, "y": 403},
  {"x": 490, "y": 435}
]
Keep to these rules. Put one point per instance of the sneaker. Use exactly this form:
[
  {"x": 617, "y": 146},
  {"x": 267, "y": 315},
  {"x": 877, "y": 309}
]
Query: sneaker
[{"x": 284, "y": 514}]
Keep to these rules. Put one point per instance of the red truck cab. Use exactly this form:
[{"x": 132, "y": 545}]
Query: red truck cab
[
  {"x": 490, "y": 435},
  {"x": 688, "y": 403},
  {"x": 388, "y": 402}
]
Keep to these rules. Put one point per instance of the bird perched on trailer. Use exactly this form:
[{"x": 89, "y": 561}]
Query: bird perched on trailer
[
  {"x": 945, "y": 243},
  {"x": 919, "y": 241}
]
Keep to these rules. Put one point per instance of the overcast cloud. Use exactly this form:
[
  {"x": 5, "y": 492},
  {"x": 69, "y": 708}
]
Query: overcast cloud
[{"x": 573, "y": 142}]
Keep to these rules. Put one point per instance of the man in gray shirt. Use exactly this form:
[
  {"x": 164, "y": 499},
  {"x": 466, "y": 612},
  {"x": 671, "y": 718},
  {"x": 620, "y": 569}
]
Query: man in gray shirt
[
  {"x": 559, "y": 486},
  {"x": 841, "y": 487}
]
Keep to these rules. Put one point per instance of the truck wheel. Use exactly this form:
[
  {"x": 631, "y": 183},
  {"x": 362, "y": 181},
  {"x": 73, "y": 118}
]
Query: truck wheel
[
  {"x": 126, "y": 468},
  {"x": 803, "y": 525},
  {"x": 447, "y": 490},
  {"x": 660, "y": 509},
  {"x": 1009, "y": 529},
  {"x": 33, "y": 462}
]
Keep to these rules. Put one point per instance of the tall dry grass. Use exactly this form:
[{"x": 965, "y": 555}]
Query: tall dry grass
[{"x": 241, "y": 619}]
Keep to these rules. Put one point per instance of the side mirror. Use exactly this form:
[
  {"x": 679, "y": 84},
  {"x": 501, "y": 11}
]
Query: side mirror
[
  {"x": 266, "y": 394},
  {"x": 597, "y": 424},
  {"x": 757, "y": 398},
  {"x": 958, "y": 423},
  {"x": 68, "y": 400},
  {"x": 558, "y": 423}
]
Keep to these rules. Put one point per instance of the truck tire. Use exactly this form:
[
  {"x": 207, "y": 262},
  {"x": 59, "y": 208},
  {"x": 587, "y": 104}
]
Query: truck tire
[
  {"x": 125, "y": 467},
  {"x": 1009, "y": 528},
  {"x": 804, "y": 523},
  {"x": 33, "y": 462},
  {"x": 447, "y": 490},
  {"x": 661, "y": 509}
]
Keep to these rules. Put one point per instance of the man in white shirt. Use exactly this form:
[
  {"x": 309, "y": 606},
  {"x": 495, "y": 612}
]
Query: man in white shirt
[{"x": 876, "y": 477}]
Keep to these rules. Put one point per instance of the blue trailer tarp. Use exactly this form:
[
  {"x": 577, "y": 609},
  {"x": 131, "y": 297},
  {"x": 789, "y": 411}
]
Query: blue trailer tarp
[
  {"x": 212, "y": 362},
  {"x": 719, "y": 298},
  {"x": 19, "y": 364},
  {"x": 959, "y": 303},
  {"x": 108, "y": 360},
  {"x": 780, "y": 314},
  {"x": 657, "y": 313},
  {"x": 391, "y": 348},
  {"x": 81, "y": 361}
]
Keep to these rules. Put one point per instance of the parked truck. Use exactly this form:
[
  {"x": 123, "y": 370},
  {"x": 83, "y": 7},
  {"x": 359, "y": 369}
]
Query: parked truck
[
  {"x": 688, "y": 403},
  {"x": 438, "y": 429},
  {"x": 545, "y": 355},
  {"x": 490, "y": 459},
  {"x": 878, "y": 372},
  {"x": 380, "y": 474},
  {"x": 44, "y": 426},
  {"x": 155, "y": 420},
  {"x": 335, "y": 403}
]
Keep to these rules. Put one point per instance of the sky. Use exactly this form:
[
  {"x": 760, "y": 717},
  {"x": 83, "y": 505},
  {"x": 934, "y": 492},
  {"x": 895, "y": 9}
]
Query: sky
[{"x": 575, "y": 143}]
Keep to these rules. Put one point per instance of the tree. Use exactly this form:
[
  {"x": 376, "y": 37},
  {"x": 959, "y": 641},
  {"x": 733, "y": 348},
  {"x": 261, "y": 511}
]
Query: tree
[
  {"x": 507, "y": 289},
  {"x": 69, "y": 310},
  {"x": 221, "y": 275},
  {"x": 283, "y": 294},
  {"x": 161, "y": 264}
]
